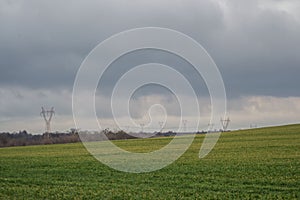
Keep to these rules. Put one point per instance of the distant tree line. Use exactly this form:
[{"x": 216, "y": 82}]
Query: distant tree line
[{"x": 22, "y": 138}]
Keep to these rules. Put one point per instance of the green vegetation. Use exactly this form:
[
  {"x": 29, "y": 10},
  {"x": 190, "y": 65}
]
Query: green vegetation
[{"x": 250, "y": 164}]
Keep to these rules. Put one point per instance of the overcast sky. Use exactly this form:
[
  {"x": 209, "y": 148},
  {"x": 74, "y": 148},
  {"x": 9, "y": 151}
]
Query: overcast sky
[{"x": 255, "y": 45}]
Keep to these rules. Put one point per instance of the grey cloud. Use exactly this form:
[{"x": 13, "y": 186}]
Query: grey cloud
[
  {"x": 254, "y": 43},
  {"x": 257, "y": 52},
  {"x": 43, "y": 43}
]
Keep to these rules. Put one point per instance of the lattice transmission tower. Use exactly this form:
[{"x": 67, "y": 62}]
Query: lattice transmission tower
[
  {"x": 47, "y": 115},
  {"x": 184, "y": 125},
  {"x": 161, "y": 126},
  {"x": 225, "y": 123}
]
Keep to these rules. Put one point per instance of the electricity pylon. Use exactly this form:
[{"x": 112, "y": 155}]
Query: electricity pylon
[
  {"x": 184, "y": 124},
  {"x": 142, "y": 126},
  {"x": 161, "y": 125},
  {"x": 210, "y": 127},
  {"x": 225, "y": 123},
  {"x": 47, "y": 115}
]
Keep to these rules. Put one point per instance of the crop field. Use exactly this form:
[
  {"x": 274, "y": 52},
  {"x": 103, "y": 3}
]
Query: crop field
[{"x": 249, "y": 164}]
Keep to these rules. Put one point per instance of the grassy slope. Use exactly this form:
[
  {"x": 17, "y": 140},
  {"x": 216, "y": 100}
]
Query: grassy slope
[{"x": 257, "y": 163}]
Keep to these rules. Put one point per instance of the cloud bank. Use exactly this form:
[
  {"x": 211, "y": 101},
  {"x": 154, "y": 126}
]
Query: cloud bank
[{"x": 255, "y": 44}]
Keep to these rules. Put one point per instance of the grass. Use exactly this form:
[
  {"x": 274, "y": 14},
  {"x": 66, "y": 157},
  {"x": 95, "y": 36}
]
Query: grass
[{"x": 250, "y": 164}]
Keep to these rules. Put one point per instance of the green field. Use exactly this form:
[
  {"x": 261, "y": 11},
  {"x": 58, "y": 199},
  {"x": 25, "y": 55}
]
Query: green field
[{"x": 250, "y": 164}]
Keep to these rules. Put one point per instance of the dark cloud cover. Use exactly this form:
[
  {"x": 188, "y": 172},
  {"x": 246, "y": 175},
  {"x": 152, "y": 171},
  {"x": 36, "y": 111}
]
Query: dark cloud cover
[
  {"x": 255, "y": 44},
  {"x": 44, "y": 43}
]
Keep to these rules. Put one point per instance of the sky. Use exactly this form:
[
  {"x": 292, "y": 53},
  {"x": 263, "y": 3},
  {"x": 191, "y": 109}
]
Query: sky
[{"x": 255, "y": 45}]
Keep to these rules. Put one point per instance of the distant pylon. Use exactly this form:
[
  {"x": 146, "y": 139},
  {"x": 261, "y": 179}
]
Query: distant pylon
[
  {"x": 47, "y": 115},
  {"x": 184, "y": 125},
  {"x": 210, "y": 127},
  {"x": 142, "y": 127},
  {"x": 225, "y": 123},
  {"x": 161, "y": 126}
]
